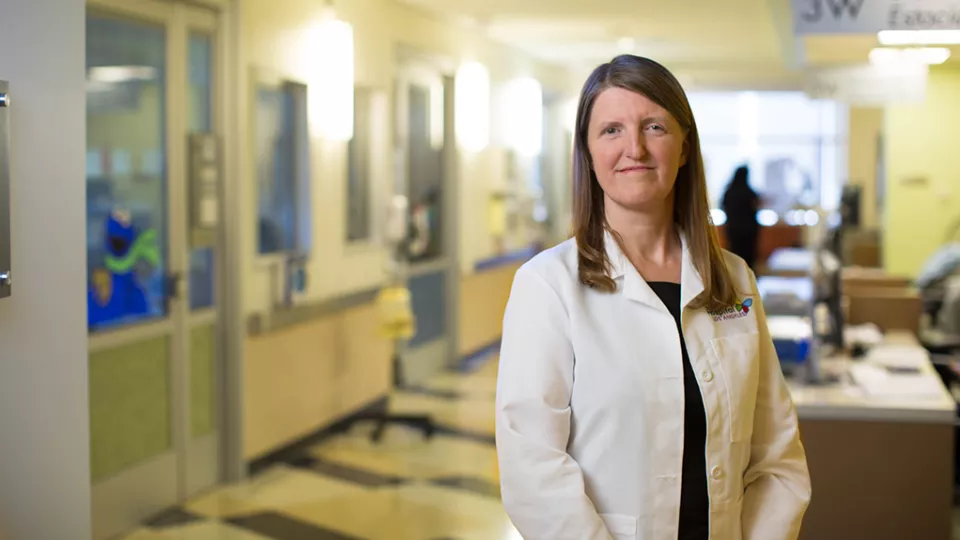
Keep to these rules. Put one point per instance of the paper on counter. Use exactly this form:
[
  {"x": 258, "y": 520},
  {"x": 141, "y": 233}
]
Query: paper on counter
[
  {"x": 867, "y": 335},
  {"x": 904, "y": 357},
  {"x": 877, "y": 381}
]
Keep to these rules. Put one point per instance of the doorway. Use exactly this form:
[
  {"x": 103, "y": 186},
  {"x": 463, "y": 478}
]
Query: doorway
[
  {"x": 426, "y": 174},
  {"x": 154, "y": 256}
]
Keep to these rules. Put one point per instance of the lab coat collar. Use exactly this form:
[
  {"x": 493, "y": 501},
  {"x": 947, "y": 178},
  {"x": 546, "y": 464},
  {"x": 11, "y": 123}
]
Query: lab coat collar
[{"x": 635, "y": 288}]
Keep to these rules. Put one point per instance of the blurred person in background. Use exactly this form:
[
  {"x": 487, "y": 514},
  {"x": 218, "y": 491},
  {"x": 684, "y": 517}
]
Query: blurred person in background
[
  {"x": 741, "y": 204},
  {"x": 639, "y": 393}
]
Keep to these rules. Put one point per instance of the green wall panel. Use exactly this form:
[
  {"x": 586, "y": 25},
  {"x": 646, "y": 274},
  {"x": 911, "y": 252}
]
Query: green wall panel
[
  {"x": 129, "y": 406},
  {"x": 202, "y": 363}
]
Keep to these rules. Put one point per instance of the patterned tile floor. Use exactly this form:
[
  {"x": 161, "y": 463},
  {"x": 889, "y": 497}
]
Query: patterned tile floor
[{"x": 349, "y": 488}]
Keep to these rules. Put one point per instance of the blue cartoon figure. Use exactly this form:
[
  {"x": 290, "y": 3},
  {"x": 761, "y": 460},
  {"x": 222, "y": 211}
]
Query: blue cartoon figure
[{"x": 116, "y": 292}]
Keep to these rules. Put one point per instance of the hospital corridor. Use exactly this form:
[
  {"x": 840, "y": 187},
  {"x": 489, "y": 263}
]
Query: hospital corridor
[
  {"x": 349, "y": 486},
  {"x": 266, "y": 264}
]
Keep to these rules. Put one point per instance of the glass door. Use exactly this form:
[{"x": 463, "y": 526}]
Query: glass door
[
  {"x": 152, "y": 315},
  {"x": 424, "y": 123}
]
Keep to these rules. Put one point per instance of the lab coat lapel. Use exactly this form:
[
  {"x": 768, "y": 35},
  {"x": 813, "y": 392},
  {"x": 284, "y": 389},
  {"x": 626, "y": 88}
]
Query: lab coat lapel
[
  {"x": 633, "y": 285},
  {"x": 691, "y": 285}
]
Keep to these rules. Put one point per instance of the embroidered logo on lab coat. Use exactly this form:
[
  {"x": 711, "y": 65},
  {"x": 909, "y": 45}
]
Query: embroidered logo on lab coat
[{"x": 737, "y": 311}]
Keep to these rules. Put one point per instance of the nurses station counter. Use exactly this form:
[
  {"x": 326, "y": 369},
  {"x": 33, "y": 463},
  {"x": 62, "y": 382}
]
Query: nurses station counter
[{"x": 879, "y": 440}]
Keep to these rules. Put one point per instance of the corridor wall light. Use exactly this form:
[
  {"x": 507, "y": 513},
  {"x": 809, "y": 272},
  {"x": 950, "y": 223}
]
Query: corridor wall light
[
  {"x": 919, "y": 55},
  {"x": 436, "y": 115},
  {"x": 919, "y": 37},
  {"x": 472, "y": 106},
  {"x": 332, "y": 52},
  {"x": 523, "y": 116},
  {"x": 570, "y": 114}
]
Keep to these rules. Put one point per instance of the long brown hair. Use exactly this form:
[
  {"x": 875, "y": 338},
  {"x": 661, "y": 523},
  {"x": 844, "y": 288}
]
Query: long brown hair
[{"x": 691, "y": 207}]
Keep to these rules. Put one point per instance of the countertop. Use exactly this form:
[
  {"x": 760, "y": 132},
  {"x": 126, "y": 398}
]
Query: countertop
[{"x": 866, "y": 390}]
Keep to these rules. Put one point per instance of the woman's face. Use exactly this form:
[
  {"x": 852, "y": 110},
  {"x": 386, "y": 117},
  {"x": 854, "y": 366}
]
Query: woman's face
[{"x": 636, "y": 149}]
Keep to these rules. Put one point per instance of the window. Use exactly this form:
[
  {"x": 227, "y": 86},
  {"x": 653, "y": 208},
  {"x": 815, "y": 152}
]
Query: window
[
  {"x": 283, "y": 171},
  {"x": 200, "y": 120},
  {"x": 796, "y": 147},
  {"x": 359, "y": 225},
  {"x": 126, "y": 174}
]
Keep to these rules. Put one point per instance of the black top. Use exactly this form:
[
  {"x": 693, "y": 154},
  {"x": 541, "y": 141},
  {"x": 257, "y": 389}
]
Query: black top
[{"x": 694, "y": 499}]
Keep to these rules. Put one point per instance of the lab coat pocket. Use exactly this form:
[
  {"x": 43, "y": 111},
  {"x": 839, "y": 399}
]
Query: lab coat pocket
[
  {"x": 621, "y": 527},
  {"x": 737, "y": 356}
]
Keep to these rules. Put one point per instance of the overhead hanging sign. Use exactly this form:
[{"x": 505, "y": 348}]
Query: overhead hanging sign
[
  {"x": 872, "y": 16},
  {"x": 868, "y": 85}
]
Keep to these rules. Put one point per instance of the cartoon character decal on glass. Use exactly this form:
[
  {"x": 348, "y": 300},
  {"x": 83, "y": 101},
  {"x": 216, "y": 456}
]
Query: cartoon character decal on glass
[{"x": 117, "y": 291}]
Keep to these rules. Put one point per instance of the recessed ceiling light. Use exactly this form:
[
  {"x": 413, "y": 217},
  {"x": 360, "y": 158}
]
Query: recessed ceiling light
[
  {"x": 919, "y": 55},
  {"x": 627, "y": 44},
  {"x": 919, "y": 37}
]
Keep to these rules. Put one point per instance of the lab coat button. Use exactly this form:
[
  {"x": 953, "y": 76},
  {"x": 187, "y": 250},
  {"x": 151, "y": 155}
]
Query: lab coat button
[
  {"x": 716, "y": 473},
  {"x": 707, "y": 375}
]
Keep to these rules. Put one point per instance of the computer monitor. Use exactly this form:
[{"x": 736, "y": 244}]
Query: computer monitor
[
  {"x": 827, "y": 283},
  {"x": 850, "y": 200}
]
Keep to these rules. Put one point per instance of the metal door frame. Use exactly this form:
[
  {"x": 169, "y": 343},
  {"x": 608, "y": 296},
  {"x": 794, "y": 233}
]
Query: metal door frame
[
  {"x": 123, "y": 500},
  {"x": 415, "y": 67}
]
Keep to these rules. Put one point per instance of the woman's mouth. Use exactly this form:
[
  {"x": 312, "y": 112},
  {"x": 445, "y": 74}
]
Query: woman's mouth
[{"x": 635, "y": 168}]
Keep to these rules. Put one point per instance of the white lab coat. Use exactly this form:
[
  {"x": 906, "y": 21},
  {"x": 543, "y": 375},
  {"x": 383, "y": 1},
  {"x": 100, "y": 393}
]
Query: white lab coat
[{"x": 590, "y": 408}]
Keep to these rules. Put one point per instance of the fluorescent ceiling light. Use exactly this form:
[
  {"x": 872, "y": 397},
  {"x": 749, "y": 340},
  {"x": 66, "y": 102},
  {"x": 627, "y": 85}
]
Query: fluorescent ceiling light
[
  {"x": 919, "y": 37},
  {"x": 523, "y": 116},
  {"x": 118, "y": 74},
  {"x": 920, "y": 55},
  {"x": 331, "y": 50},
  {"x": 473, "y": 106}
]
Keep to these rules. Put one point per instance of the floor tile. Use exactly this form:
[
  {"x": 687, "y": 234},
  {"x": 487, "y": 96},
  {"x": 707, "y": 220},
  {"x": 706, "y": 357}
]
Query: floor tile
[
  {"x": 172, "y": 518},
  {"x": 145, "y": 534},
  {"x": 444, "y": 455},
  {"x": 211, "y": 530},
  {"x": 386, "y": 515},
  {"x": 280, "y": 527},
  {"x": 474, "y": 485},
  {"x": 464, "y": 385},
  {"x": 430, "y": 390},
  {"x": 275, "y": 488},
  {"x": 349, "y": 474},
  {"x": 473, "y": 415}
]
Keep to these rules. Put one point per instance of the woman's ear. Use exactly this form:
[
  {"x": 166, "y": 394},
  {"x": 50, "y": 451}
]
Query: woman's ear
[{"x": 685, "y": 153}]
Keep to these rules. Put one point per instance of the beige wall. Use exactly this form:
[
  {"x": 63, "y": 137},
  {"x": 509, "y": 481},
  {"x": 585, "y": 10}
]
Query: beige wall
[
  {"x": 866, "y": 125},
  {"x": 923, "y": 190},
  {"x": 302, "y": 378},
  {"x": 273, "y": 37},
  {"x": 483, "y": 297},
  {"x": 299, "y": 379}
]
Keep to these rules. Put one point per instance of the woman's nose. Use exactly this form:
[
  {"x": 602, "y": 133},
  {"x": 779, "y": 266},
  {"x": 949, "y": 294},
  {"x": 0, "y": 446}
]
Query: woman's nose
[{"x": 637, "y": 146}]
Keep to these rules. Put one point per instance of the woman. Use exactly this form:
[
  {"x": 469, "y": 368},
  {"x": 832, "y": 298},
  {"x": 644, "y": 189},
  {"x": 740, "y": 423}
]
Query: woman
[
  {"x": 639, "y": 392},
  {"x": 740, "y": 204}
]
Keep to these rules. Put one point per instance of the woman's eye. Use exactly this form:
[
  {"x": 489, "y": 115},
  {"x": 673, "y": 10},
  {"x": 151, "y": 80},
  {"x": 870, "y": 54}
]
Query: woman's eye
[
  {"x": 656, "y": 127},
  {"x": 610, "y": 131}
]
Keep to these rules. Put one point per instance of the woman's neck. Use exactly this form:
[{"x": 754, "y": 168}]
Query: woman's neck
[{"x": 649, "y": 238}]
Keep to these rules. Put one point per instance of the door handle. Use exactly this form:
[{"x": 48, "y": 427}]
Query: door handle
[{"x": 171, "y": 288}]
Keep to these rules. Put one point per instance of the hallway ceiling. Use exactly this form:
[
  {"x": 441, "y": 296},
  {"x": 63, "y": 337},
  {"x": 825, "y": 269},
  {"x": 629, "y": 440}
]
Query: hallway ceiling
[{"x": 697, "y": 38}]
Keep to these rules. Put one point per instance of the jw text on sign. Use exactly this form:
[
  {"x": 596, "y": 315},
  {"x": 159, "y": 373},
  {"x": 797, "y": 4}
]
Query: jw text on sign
[{"x": 871, "y": 16}]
